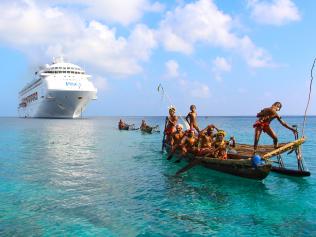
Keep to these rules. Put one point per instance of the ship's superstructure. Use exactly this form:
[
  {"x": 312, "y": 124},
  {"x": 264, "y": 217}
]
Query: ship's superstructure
[{"x": 59, "y": 90}]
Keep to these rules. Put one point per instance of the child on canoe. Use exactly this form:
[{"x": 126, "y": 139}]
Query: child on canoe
[
  {"x": 265, "y": 117},
  {"x": 191, "y": 118}
]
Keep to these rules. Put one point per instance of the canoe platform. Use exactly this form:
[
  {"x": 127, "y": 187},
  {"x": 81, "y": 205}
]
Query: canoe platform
[{"x": 239, "y": 163}]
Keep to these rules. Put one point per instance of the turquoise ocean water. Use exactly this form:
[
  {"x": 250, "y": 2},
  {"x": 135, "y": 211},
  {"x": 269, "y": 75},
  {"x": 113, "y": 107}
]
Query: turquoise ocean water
[{"x": 86, "y": 178}]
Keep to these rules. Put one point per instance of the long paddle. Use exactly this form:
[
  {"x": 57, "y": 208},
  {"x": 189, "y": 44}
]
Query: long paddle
[
  {"x": 189, "y": 166},
  {"x": 164, "y": 136}
]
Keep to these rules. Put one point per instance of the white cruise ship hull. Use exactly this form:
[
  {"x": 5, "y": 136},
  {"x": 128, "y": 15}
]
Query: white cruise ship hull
[
  {"x": 59, "y": 104},
  {"x": 59, "y": 90}
]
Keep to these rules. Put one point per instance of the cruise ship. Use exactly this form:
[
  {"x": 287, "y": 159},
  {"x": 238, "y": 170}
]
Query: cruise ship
[{"x": 59, "y": 90}]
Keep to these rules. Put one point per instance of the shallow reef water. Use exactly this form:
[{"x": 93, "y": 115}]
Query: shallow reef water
[{"x": 84, "y": 177}]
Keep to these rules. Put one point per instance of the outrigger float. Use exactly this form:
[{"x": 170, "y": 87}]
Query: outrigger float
[{"x": 244, "y": 164}]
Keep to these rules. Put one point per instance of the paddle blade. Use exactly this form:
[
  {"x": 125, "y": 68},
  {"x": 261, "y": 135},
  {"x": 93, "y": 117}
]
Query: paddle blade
[
  {"x": 188, "y": 166},
  {"x": 170, "y": 156}
]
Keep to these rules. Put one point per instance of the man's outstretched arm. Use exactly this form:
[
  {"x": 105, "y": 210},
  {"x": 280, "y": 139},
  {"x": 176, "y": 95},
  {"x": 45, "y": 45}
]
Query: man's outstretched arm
[{"x": 284, "y": 124}]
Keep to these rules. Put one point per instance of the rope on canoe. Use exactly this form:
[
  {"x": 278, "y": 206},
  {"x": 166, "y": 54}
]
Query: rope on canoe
[{"x": 309, "y": 97}]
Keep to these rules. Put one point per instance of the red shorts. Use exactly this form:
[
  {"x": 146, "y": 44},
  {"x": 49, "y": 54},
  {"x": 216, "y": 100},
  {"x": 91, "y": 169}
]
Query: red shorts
[
  {"x": 169, "y": 130},
  {"x": 264, "y": 126}
]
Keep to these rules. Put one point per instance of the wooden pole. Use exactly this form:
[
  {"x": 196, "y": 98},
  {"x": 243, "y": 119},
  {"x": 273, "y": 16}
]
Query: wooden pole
[{"x": 289, "y": 146}]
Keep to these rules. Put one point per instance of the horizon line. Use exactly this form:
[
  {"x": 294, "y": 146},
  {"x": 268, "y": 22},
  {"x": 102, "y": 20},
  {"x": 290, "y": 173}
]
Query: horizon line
[{"x": 10, "y": 116}]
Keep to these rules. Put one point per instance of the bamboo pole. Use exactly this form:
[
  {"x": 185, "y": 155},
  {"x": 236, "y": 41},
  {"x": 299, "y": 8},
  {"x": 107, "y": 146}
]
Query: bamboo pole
[{"x": 289, "y": 146}]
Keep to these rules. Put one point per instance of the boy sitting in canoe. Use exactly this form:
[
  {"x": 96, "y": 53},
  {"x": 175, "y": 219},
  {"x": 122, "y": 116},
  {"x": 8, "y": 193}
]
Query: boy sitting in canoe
[
  {"x": 191, "y": 118},
  {"x": 205, "y": 144},
  {"x": 209, "y": 130},
  {"x": 176, "y": 139},
  {"x": 220, "y": 145},
  {"x": 189, "y": 143},
  {"x": 145, "y": 127},
  {"x": 171, "y": 124},
  {"x": 206, "y": 138},
  {"x": 122, "y": 125},
  {"x": 265, "y": 117}
]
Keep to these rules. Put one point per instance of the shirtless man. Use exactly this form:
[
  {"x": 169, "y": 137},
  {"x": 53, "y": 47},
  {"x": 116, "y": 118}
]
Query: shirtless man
[
  {"x": 191, "y": 119},
  {"x": 209, "y": 130},
  {"x": 121, "y": 124},
  {"x": 143, "y": 125},
  {"x": 265, "y": 117},
  {"x": 189, "y": 143},
  {"x": 171, "y": 124},
  {"x": 205, "y": 144},
  {"x": 175, "y": 140}
]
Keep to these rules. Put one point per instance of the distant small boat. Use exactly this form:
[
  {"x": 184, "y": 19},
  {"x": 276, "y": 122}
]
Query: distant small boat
[
  {"x": 127, "y": 127},
  {"x": 149, "y": 129}
]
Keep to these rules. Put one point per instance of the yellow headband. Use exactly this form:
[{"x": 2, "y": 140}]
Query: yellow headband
[{"x": 221, "y": 132}]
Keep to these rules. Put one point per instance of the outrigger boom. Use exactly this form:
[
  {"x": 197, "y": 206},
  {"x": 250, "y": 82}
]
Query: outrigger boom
[{"x": 289, "y": 146}]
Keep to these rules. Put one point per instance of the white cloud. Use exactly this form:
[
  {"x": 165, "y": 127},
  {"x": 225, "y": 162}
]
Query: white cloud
[
  {"x": 114, "y": 11},
  {"x": 42, "y": 30},
  {"x": 220, "y": 65},
  {"x": 254, "y": 56},
  {"x": 200, "y": 90},
  {"x": 172, "y": 69},
  {"x": 277, "y": 12},
  {"x": 101, "y": 83},
  {"x": 189, "y": 87},
  {"x": 203, "y": 22}
]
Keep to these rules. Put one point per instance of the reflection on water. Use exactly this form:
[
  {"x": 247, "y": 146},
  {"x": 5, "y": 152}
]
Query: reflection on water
[{"x": 84, "y": 177}]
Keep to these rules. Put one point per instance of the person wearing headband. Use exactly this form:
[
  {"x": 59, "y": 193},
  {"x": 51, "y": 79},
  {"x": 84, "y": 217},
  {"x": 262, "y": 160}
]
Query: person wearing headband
[{"x": 171, "y": 123}]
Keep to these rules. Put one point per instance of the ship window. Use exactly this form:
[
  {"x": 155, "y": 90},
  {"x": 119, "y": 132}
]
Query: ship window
[
  {"x": 68, "y": 72},
  {"x": 64, "y": 71}
]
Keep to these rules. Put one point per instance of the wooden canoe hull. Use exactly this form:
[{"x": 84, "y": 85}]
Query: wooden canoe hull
[
  {"x": 290, "y": 172},
  {"x": 124, "y": 128},
  {"x": 238, "y": 167},
  {"x": 146, "y": 130},
  {"x": 244, "y": 171}
]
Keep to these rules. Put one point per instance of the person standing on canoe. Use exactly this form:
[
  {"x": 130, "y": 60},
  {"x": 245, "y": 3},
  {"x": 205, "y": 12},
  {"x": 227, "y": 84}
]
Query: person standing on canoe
[
  {"x": 171, "y": 123},
  {"x": 265, "y": 117},
  {"x": 191, "y": 118}
]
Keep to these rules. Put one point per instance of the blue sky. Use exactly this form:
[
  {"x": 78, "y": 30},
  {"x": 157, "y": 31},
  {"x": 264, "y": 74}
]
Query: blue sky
[{"x": 227, "y": 57}]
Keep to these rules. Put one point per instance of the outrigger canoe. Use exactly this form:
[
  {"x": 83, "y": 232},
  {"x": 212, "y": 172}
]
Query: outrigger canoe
[
  {"x": 149, "y": 129},
  {"x": 124, "y": 128},
  {"x": 241, "y": 164},
  {"x": 128, "y": 127}
]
